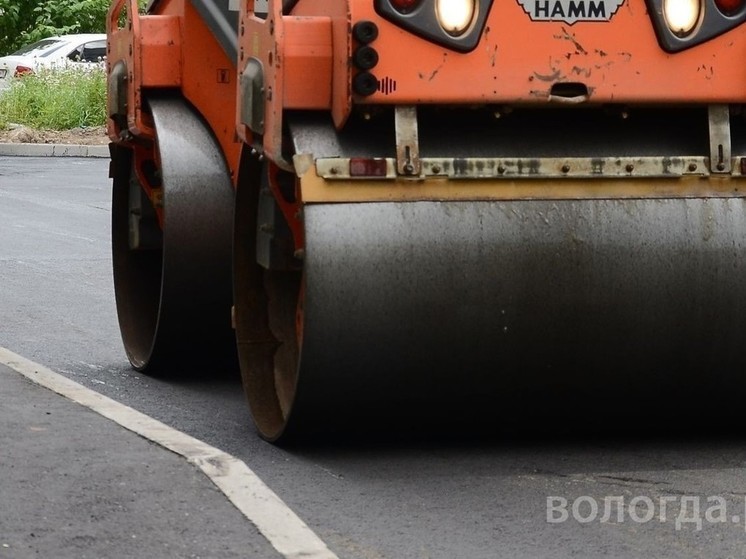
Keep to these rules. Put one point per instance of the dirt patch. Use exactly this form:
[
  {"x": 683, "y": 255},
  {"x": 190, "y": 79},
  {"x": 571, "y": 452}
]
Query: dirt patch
[{"x": 93, "y": 136}]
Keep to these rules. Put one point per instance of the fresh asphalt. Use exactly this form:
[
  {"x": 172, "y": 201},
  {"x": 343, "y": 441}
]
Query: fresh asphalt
[{"x": 375, "y": 500}]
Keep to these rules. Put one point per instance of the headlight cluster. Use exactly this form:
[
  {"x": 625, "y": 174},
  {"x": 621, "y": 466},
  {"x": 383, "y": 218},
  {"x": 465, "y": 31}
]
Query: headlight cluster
[
  {"x": 456, "y": 24},
  {"x": 681, "y": 24}
]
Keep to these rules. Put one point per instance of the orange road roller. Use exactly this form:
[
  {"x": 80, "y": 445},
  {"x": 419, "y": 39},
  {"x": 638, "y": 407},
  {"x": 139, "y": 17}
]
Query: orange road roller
[{"x": 417, "y": 212}]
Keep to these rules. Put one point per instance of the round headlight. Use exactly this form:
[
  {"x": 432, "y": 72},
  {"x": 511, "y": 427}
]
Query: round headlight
[
  {"x": 681, "y": 15},
  {"x": 455, "y": 16}
]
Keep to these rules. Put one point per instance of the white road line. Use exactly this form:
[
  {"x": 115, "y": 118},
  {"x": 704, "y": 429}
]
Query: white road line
[{"x": 284, "y": 530}]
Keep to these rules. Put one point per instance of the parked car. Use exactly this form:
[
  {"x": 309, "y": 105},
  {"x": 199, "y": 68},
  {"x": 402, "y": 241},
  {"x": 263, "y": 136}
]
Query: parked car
[{"x": 82, "y": 50}]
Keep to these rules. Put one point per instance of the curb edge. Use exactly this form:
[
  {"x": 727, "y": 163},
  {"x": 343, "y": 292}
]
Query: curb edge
[{"x": 53, "y": 150}]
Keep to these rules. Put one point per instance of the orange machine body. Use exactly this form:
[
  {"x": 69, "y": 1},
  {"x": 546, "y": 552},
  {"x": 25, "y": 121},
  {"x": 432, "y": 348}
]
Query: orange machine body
[
  {"x": 306, "y": 56},
  {"x": 519, "y": 60},
  {"x": 171, "y": 50}
]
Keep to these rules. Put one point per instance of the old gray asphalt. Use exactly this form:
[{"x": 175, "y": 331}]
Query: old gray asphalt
[{"x": 77, "y": 485}]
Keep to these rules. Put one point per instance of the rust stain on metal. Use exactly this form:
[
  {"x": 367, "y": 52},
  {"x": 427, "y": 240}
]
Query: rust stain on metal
[
  {"x": 493, "y": 56},
  {"x": 567, "y": 36},
  {"x": 491, "y": 49},
  {"x": 578, "y": 71},
  {"x": 434, "y": 73},
  {"x": 708, "y": 71},
  {"x": 554, "y": 76}
]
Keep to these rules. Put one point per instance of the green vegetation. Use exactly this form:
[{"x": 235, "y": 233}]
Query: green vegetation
[
  {"x": 56, "y": 99},
  {"x": 25, "y": 21}
]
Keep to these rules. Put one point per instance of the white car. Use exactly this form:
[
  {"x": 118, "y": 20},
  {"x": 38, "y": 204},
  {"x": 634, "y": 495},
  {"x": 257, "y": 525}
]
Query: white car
[{"x": 83, "y": 50}]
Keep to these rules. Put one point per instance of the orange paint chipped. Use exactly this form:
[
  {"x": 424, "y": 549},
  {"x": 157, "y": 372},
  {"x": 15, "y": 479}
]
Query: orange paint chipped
[{"x": 518, "y": 60}]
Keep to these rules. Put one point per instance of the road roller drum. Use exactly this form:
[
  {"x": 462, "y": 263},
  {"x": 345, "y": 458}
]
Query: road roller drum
[{"x": 388, "y": 217}]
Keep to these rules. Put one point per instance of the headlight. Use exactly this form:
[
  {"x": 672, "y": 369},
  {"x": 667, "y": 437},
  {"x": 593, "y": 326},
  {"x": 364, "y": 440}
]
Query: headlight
[
  {"x": 455, "y": 16},
  {"x": 454, "y": 24},
  {"x": 683, "y": 24},
  {"x": 681, "y": 15}
]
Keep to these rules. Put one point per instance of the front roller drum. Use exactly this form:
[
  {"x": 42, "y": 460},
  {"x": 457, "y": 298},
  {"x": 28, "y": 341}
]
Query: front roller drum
[
  {"x": 496, "y": 314},
  {"x": 173, "y": 282}
]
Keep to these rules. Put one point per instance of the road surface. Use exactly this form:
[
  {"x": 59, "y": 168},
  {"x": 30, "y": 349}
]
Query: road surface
[{"x": 682, "y": 494}]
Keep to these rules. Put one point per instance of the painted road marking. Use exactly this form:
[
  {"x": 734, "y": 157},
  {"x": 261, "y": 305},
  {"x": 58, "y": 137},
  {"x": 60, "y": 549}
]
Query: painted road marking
[{"x": 284, "y": 530}]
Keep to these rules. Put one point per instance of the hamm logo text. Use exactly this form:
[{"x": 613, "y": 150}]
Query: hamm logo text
[{"x": 570, "y": 11}]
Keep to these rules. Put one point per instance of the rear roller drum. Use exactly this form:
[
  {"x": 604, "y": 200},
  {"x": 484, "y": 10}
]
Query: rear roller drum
[
  {"x": 268, "y": 316},
  {"x": 172, "y": 272}
]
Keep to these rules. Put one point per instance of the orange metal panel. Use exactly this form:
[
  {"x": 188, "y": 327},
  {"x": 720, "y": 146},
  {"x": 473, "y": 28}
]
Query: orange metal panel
[
  {"x": 308, "y": 62},
  {"x": 264, "y": 40},
  {"x": 209, "y": 83},
  {"x": 339, "y": 13},
  {"x": 126, "y": 44},
  {"x": 157, "y": 58},
  {"x": 518, "y": 61},
  {"x": 160, "y": 51}
]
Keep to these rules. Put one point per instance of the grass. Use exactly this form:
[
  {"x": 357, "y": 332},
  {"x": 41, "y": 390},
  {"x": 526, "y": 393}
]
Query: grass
[{"x": 57, "y": 99}]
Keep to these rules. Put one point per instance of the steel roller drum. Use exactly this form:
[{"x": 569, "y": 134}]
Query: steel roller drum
[
  {"x": 511, "y": 309},
  {"x": 174, "y": 300}
]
